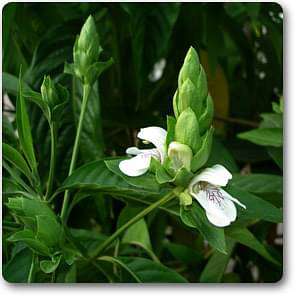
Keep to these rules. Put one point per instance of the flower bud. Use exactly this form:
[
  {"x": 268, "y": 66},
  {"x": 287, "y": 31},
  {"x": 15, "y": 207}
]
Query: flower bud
[
  {"x": 49, "y": 92},
  {"x": 180, "y": 155},
  {"x": 185, "y": 198},
  {"x": 86, "y": 52},
  {"x": 192, "y": 84}
]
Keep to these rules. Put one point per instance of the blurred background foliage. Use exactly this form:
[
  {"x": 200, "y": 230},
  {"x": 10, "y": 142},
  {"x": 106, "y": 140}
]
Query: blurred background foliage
[{"x": 240, "y": 46}]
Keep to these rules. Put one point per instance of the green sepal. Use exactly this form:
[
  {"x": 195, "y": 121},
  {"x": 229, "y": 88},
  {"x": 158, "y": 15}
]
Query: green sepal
[
  {"x": 187, "y": 130},
  {"x": 154, "y": 165},
  {"x": 202, "y": 155},
  {"x": 183, "y": 177},
  {"x": 94, "y": 71},
  {"x": 162, "y": 176},
  {"x": 38, "y": 100}
]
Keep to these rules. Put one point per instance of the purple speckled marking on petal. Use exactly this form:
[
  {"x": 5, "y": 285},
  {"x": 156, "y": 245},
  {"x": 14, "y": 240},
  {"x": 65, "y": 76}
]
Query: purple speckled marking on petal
[{"x": 214, "y": 194}]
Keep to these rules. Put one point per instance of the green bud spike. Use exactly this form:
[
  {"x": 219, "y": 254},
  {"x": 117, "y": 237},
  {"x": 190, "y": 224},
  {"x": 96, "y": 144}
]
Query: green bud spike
[
  {"x": 187, "y": 130},
  {"x": 192, "y": 85},
  {"x": 180, "y": 155}
]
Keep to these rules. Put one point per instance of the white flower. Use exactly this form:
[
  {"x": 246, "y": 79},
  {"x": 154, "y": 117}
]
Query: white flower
[
  {"x": 140, "y": 164},
  {"x": 218, "y": 204}
]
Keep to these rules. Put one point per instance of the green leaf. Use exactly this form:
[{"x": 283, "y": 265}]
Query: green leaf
[
  {"x": 214, "y": 269},
  {"x": 24, "y": 129},
  {"x": 143, "y": 270},
  {"x": 258, "y": 183},
  {"x": 96, "y": 177},
  {"x": 14, "y": 157},
  {"x": 10, "y": 83},
  {"x": 185, "y": 254},
  {"x": 49, "y": 266},
  {"x": 17, "y": 269},
  {"x": 28, "y": 237},
  {"x": 49, "y": 230},
  {"x": 245, "y": 237},
  {"x": 277, "y": 155},
  {"x": 257, "y": 208},
  {"x": 271, "y": 120},
  {"x": 195, "y": 217},
  {"x": 264, "y": 136},
  {"x": 138, "y": 233}
]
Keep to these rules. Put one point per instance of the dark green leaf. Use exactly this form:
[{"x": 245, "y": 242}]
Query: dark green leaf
[
  {"x": 145, "y": 271},
  {"x": 264, "y": 136},
  {"x": 258, "y": 183},
  {"x": 195, "y": 217},
  {"x": 245, "y": 237},
  {"x": 24, "y": 129},
  {"x": 14, "y": 157},
  {"x": 216, "y": 265},
  {"x": 257, "y": 208},
  {"x": 17, "y": 269}
]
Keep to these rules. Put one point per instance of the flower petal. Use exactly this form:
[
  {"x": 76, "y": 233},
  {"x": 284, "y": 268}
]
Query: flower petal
[
  {"x": 220, "y": 210},
  {"x": 157, "y": 136},
  {"x": 135, "y": 166},
  {"x": 216, "y": 175},
  {"x": 228, "y": 196},
  {"x": 136, "y": 151},
  {"x": 218, "y": 220}
]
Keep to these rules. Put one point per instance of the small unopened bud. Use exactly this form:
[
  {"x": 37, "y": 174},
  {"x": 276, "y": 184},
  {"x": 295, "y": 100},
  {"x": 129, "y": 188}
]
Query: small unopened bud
[
  {"x": 49, "y": 92},
  {"x": 185, "y": 198},
  {"x": 181, "y": 155}
]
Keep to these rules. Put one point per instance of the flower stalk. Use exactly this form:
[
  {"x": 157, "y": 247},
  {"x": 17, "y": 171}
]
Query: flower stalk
[
  {"x": 86, "y": 93},
  {"x": 53, "y": 135},
  {"x": 171, "y": 195}
]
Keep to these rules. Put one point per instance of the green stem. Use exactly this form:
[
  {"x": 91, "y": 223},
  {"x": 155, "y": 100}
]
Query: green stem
[
  {"x": 52, "y": 159},
  {"x": 86, "y": 92},
  {"x": 31, "y": 273},
  {"x": 139, "y": 216}
]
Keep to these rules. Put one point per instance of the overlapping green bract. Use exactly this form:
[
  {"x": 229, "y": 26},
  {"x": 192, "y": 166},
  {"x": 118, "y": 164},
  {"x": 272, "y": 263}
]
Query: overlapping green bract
[{"x": 193, "y": 109}]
